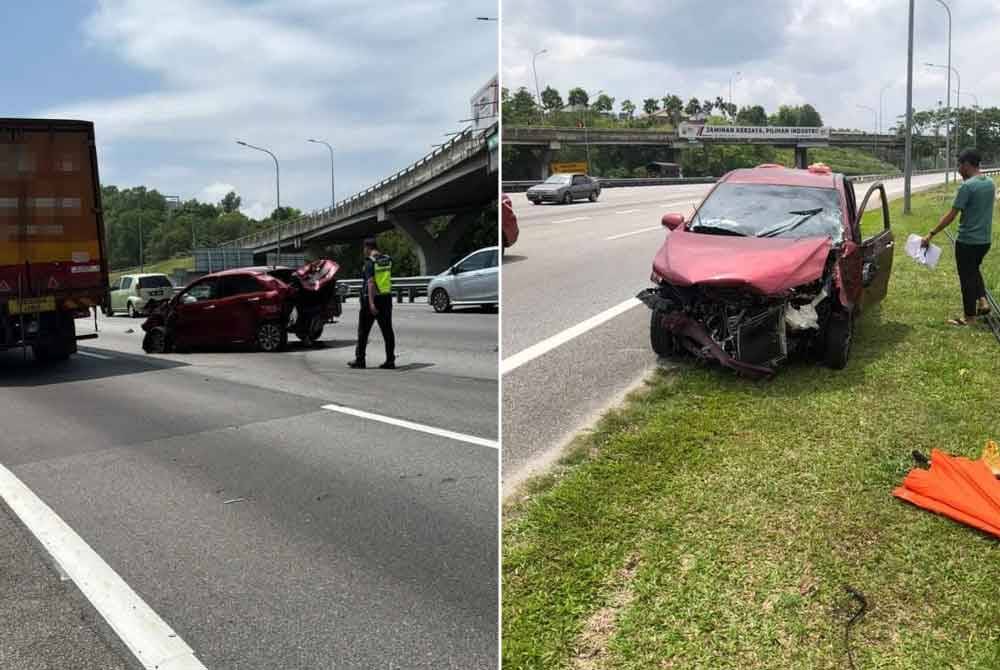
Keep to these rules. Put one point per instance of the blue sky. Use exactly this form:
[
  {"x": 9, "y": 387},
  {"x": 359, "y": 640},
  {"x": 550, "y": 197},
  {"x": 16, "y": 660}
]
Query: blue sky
[
  {"x": 170, "y": 86},
  {"x": 834, "y": 55}
]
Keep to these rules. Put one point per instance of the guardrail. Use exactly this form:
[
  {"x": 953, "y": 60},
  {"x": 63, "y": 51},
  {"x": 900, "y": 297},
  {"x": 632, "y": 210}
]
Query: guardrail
[
  {"x": 412, "y": 287},
  {"x": 520, "y": 186}
]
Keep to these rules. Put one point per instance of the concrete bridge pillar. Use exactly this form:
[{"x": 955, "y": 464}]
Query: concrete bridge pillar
[
  {"x": 545, "y": 158},
  {"x": 434, "y": 253},
  {"x": 801, "y": 157}
]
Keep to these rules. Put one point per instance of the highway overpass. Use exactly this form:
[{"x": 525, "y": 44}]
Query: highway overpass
[
  {"x": 548, "y": 140},
  {"x": 458, "y": 179}
]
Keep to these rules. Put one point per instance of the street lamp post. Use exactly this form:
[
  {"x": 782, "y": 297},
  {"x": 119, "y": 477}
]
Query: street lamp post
[
  {"x": 875, "y": 114},
  {"x": 908, "y": 159},
  {"x": 947, "y": 137},
  {"x": 277, "y": 185},
  {"x": 333, "y": 193},
  {"x": 534, "y": 70},
  {"x": 951, "y": 116},
  {"x": 735, "y": 77}
]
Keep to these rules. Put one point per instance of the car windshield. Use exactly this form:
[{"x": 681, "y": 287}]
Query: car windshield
[
  {"x": 771, "y": 210},
  {"x": 559, "y": 179},
  {"x": 154, "y": 282}
]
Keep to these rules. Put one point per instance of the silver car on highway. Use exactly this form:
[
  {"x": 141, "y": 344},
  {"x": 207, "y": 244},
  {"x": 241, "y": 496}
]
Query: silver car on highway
[
  {"x": 565, "y": 188},
  {"x": 471, "y": 281}
]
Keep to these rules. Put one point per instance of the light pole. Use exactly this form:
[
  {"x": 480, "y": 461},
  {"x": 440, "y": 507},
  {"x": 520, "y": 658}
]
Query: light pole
[
  {"x": 908, "y": 159},
  {"x": 586, "y": 129},
  {"x": 277, "y": 185},
  {"x": 875, "y": 114},
  {"x": 947, "y": 137},
  {"x": 734, "y": 77},
  {"x": 958, "y": 101},
  {"x": 534, "y": 70},
  {"x": 333, "y": 193},
  {"x": 975, "y": 117},
  {"x": 881, "y": 106}
]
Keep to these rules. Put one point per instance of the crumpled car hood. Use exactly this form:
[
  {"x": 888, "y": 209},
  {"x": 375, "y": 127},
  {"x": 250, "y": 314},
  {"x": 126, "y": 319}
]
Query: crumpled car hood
[{"x": 766, "y": 265}]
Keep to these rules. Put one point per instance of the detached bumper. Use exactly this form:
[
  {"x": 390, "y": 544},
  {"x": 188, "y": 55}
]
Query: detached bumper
[{"x": 691, "y": 334}]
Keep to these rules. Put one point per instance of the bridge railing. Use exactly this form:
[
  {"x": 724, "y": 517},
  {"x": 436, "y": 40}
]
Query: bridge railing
[{"x": 467, "y": 142}]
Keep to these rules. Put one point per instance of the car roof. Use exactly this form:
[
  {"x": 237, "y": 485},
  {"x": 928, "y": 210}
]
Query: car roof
[
  {"x": 255, "y": 270},
  {"x": 783, "y": 176},
  {"x": 140, "y": 275}
]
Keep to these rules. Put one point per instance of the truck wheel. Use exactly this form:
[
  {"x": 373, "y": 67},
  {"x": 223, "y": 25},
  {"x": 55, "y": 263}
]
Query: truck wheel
[
  {"x": 271, "y": 337},
  {"x": 663, "y": 342},
  {"x": 837, "y": 339}
]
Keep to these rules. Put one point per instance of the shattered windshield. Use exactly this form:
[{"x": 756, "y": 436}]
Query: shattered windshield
[{"x": 770, "y": 210}]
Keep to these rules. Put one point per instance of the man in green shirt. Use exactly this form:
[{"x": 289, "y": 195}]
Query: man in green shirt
[{"x": 975, "y": 233}]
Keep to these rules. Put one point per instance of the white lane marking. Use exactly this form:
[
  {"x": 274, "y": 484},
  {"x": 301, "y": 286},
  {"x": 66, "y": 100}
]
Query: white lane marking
[
  {"x": 634, "y": 232},
  {"x": 440, "y": 432},
  {"x": 97, "y": 356},
  {"x": 153, "y": 643},
  {"x": 576, "y": 218},
  {"x": 627, "y": 211},
  {"x": 534, "y": 351}
]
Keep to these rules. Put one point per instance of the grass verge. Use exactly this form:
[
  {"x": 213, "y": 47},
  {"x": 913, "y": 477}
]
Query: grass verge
[{"x": 745, "y": 508}]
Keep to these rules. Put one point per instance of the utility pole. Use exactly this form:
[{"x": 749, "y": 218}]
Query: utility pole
[
  {"x": 534, "y": 70},
  {"x": 333, "y": 193},
  {"x": 277, "y": 184},
  {"x": 908, "y": 159}
]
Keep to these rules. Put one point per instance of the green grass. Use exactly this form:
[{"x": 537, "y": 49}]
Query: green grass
[
  {"x": 847, "y": 160},
  {"x": 747, "y": 506},
  {"x": 167, "y": 267}
]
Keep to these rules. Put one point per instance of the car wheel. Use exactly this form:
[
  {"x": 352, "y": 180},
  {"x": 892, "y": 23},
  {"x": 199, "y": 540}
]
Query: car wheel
[
  {"x": 270, "y": 337},
  {"x": 837, "y": 339},
  {"x": 108, "y": 310},
  {"x": 663, "y": 342},
  {"x": 568, "y": 198},
  {"x": 440, "y": 300},
  {"x": 155, "y": 341},
  {"x": 593, "y": 196},
  {"x": 131, "y": 311}
]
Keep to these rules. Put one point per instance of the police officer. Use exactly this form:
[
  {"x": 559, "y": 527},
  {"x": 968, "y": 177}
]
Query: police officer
[{"x": 376, "y": 305}]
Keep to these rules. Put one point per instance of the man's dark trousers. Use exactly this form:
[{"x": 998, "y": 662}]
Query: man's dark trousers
[{"x": 383, "y": 303}]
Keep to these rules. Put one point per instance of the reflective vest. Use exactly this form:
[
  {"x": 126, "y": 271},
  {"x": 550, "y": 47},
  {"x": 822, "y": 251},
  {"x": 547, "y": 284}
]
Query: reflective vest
[{"x": 383, "y": 274}]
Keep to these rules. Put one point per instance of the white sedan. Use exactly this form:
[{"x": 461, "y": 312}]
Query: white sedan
[{"x": 471, "y": 281}]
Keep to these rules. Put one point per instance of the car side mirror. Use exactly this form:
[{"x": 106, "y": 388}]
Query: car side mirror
[{"x": 672, "y": 221}]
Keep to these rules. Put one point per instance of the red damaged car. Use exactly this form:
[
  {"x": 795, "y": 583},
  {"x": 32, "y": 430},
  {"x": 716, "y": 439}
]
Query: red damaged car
[
  {"x": 772, "y": 261},
  {"x": 256, "y": 306}
]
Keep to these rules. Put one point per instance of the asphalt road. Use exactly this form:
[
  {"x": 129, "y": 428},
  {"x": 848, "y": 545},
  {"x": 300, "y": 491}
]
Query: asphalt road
[
  {"x": 570, "y": 266},
  {"x": 351, "y": 543}
]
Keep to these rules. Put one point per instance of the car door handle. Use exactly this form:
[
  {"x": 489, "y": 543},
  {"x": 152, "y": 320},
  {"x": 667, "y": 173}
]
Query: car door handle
[
  {"x": 253, "y": 299},
  {"x": 209, "y": 306}
]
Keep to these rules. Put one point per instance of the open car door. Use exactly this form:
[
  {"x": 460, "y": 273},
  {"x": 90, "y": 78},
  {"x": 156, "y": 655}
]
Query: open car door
[{"x": 877, "y": 245}]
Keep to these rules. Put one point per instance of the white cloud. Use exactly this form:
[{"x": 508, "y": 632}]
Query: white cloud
[{"x": 380, "y": 81}]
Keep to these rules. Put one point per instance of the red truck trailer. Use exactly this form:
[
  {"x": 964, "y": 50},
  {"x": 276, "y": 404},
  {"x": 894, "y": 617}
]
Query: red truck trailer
[{"x": 53, "y": 266}]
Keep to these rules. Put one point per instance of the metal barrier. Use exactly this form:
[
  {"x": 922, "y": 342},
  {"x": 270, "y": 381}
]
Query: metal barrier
[
  {"x": 520, "y": 186},
  {"x": 412, "y": 287}
]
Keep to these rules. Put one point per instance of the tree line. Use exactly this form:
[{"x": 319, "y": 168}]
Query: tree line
[{"x": 521, "y": 108}]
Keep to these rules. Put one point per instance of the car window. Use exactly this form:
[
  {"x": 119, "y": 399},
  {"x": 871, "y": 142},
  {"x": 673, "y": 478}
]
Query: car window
[
  {"x": 558, "y": 179},
  {"x": 240, "y": 285},
  {"x": 476, "y": 261},
  {"x": 577, "y": 180},
  {"x": 126, "y": 283},
  {"x": 202, "y": 291},
  {"x": 771, "y": 210},
  {"x": 491, "y": 258},
  {"x": 154, "y": 282}
]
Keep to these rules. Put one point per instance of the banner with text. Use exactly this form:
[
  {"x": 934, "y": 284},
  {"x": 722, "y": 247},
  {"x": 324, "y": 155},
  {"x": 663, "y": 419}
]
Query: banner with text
[{"x": 694, "y": 131}]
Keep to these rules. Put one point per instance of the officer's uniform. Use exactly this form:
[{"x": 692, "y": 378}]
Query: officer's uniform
[{"x": 378, "y": 268}]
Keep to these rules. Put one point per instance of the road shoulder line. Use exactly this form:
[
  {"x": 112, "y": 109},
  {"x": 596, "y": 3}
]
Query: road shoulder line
[
  {"x": 150, "y": 639},
  {"x": 511, "y": 363}
]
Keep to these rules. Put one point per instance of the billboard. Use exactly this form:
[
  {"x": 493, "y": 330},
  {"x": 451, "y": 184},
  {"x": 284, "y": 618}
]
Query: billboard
[
  {"x": 561, "y": 168},
  {"x": 694, "y": 131},
  {"x": 486, "y": 105}
]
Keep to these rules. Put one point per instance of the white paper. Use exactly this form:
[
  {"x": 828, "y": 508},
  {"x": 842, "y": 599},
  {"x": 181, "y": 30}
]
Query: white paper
[{"x": 928, "y": 256}]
